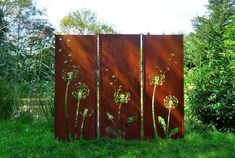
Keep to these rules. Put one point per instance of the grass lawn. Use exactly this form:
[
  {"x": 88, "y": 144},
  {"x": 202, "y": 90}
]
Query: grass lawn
[{"x": 37, "y": 140}]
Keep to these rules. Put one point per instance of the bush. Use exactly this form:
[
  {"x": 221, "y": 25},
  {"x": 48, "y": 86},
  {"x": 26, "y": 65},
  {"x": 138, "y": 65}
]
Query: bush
[
  {"x": 8, "y": 100},
  {"x": 45, "y": 95},
  {"x": 212, "y": 99},
  {"x": 25, "y": 117}
]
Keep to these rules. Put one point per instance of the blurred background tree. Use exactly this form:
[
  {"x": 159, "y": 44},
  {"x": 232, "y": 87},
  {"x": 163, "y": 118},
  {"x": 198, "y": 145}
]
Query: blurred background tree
[
  {"x": 27, "y": 53},
  {"x": 84, "y": 22}
]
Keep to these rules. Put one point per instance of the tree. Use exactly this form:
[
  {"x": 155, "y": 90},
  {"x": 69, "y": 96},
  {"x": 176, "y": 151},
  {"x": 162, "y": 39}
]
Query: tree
[
  {"x": 3, "y": 26},
  {"x": 84, "y": 22},
  {"x": 212, "y": 98},
  {"x": 28, "y": 35}
]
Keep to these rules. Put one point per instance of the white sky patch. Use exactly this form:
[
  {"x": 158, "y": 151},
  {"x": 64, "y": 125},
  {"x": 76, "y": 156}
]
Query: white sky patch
[{"x": 133, "y": 16}]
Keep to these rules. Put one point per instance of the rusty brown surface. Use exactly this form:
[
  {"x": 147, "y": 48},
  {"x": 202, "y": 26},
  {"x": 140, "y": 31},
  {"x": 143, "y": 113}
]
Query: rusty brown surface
[
  {"x": 163, "y": 53},
  {"x": 75, "y": 50},
  {"x": 120, "y": 58},
  {"x": 120, "y": 65}
]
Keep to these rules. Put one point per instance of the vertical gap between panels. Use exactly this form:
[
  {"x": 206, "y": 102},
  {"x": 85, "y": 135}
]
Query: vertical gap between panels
[
  {"x": 141, "y": 89},
  {"x": 98, "y": 85}
]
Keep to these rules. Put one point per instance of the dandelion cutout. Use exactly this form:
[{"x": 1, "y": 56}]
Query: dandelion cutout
[
  {"x": 170, "y": 102},
  {"x": 84, "y": 116},
  {"x": 121, "y": 97},
  {"x": 69, "y": 75},
  {"x": 155, "y": 80},
  {"x": 80, "y": 91},
  {"x": 72, "y": 74}
]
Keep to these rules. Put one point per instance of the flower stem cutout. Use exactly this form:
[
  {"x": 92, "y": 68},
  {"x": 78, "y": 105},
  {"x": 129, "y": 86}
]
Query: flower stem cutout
[
  {"x": 156, "y": 79},
  {"x": 80, "y": 91},
  {"x": 120, "y": 98},
  {"x": 84, "y": 116},
  {"x": 68, "y": 76},
  {"x": 170, "y": 102}
]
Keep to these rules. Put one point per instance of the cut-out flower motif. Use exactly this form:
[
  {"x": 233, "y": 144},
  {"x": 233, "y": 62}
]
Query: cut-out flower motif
[
  {"x": 80, "y": 90},
  {"x": 69, "y": 74},
  {"x": 157, "y": 79},
  {"x": 72, "y": 74},
  {"x": 84, "y": 116},
  {"x": 170, "y": 102},
  {"x": 121, "y": 97}
]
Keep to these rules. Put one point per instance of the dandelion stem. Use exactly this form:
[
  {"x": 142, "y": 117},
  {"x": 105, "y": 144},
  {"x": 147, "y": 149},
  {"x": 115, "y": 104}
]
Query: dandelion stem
[
  {"x": 119, "y": 119},
  {"x": 82, "y": 125},
  {"x": 153, "y": 111},
  {"x": 76, "y": 119},
  {"x": 66, "y": 108},
  {"x": 168, "y": 123}
]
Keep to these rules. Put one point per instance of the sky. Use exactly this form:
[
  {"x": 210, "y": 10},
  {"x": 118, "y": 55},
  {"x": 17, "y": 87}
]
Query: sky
[{"x": 133, "y": 16}]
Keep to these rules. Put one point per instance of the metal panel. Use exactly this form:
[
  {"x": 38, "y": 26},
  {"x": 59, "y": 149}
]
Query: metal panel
[
  {"x": 163, "y": 60},
  {"x": 75, "y": 54},
  {"x": 120, "y": 59},
  {"x": 119, "y": 69}
]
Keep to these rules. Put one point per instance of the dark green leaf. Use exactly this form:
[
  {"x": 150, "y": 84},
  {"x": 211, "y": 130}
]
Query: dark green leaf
[
  {"x": 173, "y": 132},
  {"x": 110, "y": 116},
  {"x": 131, "y": 119},
  {"x": 162, "y": 122},
  {"x": 113, "y": 131}
]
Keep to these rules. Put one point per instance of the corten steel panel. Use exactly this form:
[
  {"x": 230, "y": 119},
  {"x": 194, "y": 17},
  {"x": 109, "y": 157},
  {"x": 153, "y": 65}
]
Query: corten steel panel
[
  {"x": 163, "y": 54},
  {"x": 120, "y": 60},
  {"x": 80, "y": 51}
]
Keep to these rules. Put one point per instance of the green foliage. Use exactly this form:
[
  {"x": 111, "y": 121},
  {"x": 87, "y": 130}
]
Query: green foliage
[
  {"x": 37, "y": 140},
  {"x": 46, "y": 100},
  {"x": 84, "y": 22},
  {"x": 210, "y": 64},
  {"x": 192, "y": 125},
  {"x": 114, "y": 131},
  {"x": 163, "y": 124},
  {"x": 212, "y": 99},
  {"x": 28, "y": 36},
  {"x": 120, "y": 97},
  {"x": 27, "y": 53},
  {"x": 3, "y": 26},
  {"x": 24, "y": 116},
  {"x": 173, "y": 132},
  {"x": 129, "y": 121},
  {"x": 8, "y": 100},
  {"x": 167, "y": 131}
]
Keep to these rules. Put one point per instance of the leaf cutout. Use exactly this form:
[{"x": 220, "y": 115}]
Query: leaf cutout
[
  {"x": 162, "y": 122},
  {"x": 110, "y": 116},
  {"x": 173, "y": 132},
  {"x": 113, "y": 131},
  {"x": 131, "y": 119}
]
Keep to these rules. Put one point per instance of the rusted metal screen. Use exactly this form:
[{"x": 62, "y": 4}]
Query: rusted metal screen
[
  {"x": 75, "y": 81},
  {"x": 163, "y": 71},
  {"x": 109, "y": 78},
  {"x": 120, "y": 86}
]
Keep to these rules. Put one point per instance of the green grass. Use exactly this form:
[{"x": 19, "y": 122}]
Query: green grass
[{"x": 37, "y": 140}]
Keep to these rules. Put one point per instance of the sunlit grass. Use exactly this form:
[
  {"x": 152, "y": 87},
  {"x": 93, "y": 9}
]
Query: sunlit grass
[{"x": 37, "y": 140}]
